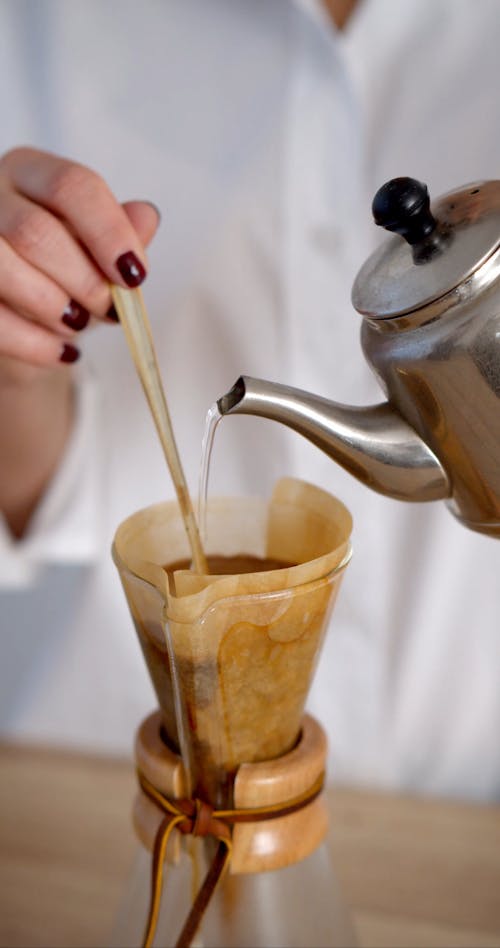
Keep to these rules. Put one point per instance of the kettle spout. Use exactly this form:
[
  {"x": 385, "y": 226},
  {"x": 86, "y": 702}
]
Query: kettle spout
[{"x": 375, "y": 444}]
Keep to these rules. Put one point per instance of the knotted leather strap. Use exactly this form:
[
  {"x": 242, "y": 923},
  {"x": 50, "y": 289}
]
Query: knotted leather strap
[{"x": 198, "y": 818}]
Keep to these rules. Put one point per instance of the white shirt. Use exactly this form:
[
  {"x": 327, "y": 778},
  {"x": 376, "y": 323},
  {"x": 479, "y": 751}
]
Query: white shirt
[{"x": 262, "y": 135}]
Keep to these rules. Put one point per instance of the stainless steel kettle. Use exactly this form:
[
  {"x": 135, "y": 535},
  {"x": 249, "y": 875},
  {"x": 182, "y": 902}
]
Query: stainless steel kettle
[{"x": 430, "y": 298}]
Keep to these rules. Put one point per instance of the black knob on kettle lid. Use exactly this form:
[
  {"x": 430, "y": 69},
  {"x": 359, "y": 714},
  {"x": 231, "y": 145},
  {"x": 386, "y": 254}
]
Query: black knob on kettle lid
[{"x": 402, "y": 206}]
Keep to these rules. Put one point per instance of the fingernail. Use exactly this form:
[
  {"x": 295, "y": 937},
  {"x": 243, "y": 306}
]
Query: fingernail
[
  {"x": 69, "y": 353},
  {"x": 131, "y": 269},
  {"x": 112, "y": 314},
  {"x": 75, "y": 316}
]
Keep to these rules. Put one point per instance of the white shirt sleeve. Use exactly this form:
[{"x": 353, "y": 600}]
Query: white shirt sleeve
[{"x": 65, "y": 525}]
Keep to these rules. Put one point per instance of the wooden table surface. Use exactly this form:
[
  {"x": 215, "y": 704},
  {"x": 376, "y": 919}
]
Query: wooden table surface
[{"x": 414, "y": 872}]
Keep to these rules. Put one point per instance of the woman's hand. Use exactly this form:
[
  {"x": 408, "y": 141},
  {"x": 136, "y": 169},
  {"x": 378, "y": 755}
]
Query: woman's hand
[{"x": 63, "y": 238}]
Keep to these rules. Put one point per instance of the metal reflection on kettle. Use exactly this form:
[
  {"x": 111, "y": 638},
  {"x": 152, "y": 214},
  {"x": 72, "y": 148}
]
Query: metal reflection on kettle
[{"x": 430, "y": 300}]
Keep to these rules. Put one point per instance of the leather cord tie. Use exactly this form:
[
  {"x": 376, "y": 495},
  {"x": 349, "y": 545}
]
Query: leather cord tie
[{"x": 197, "y": 818}]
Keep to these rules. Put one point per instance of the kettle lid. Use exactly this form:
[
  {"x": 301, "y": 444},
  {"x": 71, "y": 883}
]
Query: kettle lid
[{"x": 441, "y": 248}]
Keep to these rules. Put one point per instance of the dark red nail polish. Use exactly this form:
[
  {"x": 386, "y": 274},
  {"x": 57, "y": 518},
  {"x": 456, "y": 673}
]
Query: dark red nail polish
[
  {"x": 112, "y": 314},
  {"x": 75, "y": 316},
  {"x": 69, "y": 353},
  {"x": 131, "y": 269}
]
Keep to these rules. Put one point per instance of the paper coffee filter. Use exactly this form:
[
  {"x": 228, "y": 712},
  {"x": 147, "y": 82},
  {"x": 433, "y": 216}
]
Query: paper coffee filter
[
  {"x": 325, "y": 522},
  {"x": 232, "y": 657},
  {"x": 244, "y": 672},
  {"x": 246, "y": 646},
  {"x": 301, "y": 524}
]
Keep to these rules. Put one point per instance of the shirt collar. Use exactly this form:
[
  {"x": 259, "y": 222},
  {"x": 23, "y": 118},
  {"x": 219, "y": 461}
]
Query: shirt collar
[{"x": 315, "y": 10}]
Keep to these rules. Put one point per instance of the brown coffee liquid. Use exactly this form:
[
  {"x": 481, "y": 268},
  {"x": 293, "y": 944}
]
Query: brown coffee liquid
[{"x": 233, "y": 565}]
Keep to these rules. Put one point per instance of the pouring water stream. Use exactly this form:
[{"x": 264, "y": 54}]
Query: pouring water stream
[{"x": 211, "y": 422}]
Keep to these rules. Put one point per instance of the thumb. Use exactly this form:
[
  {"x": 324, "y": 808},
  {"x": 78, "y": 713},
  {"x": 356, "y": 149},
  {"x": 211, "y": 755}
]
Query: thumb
[{"x": 144, "y": 217}]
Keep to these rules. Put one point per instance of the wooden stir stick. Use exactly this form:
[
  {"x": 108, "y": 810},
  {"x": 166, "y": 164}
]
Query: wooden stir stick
[{"x": 134, "y": 319}]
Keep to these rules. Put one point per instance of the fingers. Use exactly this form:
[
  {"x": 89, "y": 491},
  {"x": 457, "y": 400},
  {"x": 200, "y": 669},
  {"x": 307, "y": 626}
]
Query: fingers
[
  {"x": 29, "y": 291},
  {"x": 31, "y": 343},
  {"x": 42, "y": 267},
  {"x": 42, "y": 240},
  {"x": 83, "y": 200},
  {"x": 63, "y": 238}
]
